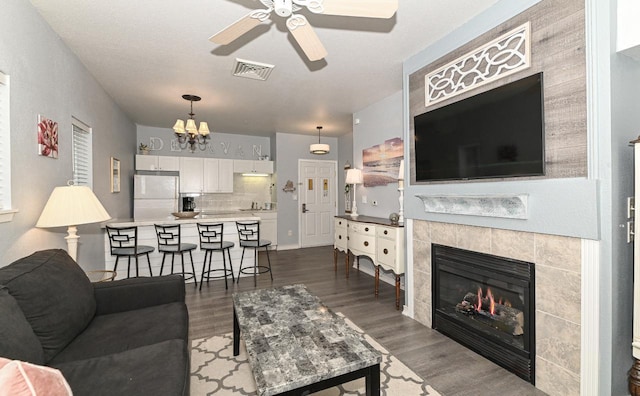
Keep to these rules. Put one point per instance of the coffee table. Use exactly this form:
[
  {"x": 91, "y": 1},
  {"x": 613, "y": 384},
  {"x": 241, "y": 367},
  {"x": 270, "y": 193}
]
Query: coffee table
[{"x": 296, "y": 345}]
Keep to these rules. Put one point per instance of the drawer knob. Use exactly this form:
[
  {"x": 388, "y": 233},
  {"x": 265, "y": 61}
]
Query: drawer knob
[
  {"x": 385, "y": 251},
  {"x": 347, "y": 238},
  {"x": 366, "y": 243},
  {"x": 386, "y": 232},
  {"x": 339, "y": 236},
  {"x": 366, "y": 228}
]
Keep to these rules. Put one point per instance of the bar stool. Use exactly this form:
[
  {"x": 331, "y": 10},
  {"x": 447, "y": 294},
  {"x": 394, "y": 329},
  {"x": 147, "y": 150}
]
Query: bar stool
[
  {"x": 169, "y": 242},
  {"x": 123, "y": 242},
  {"x": 249, "y": 235},
  {"x": 211, "y": 240}
]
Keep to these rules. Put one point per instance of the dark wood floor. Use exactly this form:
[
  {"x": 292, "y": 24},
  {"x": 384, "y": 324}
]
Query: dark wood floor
[{"x": 447, "y": 366}]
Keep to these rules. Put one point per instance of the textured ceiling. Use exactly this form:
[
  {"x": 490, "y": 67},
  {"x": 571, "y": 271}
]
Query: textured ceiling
[{"x": 147, "y": 54}]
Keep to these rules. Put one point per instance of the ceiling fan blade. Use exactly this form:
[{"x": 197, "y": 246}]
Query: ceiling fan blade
[
  {"x": 306, "y": 37},
  {"x": 240, "y": 27},
  {"x": 359, "y": 8}
]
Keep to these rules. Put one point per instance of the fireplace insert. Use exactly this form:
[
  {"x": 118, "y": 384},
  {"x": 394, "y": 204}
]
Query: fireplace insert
[{"x": 486, "y": 303}]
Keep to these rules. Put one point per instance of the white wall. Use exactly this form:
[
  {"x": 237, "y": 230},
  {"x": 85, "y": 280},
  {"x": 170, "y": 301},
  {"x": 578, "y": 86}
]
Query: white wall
[{"x": 47, "y": 79}]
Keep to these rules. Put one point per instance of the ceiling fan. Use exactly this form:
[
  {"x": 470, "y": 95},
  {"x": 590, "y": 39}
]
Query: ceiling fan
[{"x": 298, "y": 25}]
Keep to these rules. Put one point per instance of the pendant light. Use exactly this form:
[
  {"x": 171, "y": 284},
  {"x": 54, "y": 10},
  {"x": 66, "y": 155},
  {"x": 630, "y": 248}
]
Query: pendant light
[
  {"x": 319, "y": 149},
  {"x": 191, "y": 135}
]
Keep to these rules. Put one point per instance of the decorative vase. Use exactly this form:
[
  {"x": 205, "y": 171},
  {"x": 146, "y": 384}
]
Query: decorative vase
[{"x": 144, "y": 152}]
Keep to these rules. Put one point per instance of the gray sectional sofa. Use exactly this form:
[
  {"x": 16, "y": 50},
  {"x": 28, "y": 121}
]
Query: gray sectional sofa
[{"x": 126, "y": 337}]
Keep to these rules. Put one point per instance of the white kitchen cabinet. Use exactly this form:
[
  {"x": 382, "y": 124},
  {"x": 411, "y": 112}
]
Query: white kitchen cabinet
[
  {"x": 208, "y": 175},
  {"x": 249, "y": 166},
  {"x": 268, "y": 227},
  {"x": 217, "y": 175},
  {"x": 191, "y": 174},
  {"x": 157, "y": 163}
]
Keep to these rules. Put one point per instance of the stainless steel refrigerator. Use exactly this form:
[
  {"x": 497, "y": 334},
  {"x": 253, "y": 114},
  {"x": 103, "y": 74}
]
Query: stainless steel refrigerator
[{"x": 155, "y": 197}]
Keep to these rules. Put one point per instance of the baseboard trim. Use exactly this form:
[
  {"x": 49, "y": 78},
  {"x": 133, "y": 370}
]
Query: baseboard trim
[{"x": 288, "y": 247}]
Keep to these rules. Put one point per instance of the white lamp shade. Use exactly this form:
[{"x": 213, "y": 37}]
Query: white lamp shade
[
  {"x": 319, "y": 148},
  {"x": 204, "y": 129},
  {"x": 191, "y": 126},
  {"x": 401, "y": 170},
  {"x": 71, "y": 206},
  {"x": 179, "y": 127},
  {"x": 354, "y": 176}
]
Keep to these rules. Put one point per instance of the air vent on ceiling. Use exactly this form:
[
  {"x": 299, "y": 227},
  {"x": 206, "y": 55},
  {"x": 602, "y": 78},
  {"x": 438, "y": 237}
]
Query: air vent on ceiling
[{"x": 253, "y": 70}]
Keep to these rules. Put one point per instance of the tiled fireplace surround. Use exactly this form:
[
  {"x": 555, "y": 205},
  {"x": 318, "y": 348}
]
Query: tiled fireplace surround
[{"x": 557, "y": 262}]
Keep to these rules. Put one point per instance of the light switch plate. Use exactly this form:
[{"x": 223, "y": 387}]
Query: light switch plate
[{"x": 364, "y": 199}]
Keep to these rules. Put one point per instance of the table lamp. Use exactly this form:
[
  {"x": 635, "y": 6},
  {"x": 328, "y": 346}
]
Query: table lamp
[
  {"x": 354, "y": 176},
  {"x": 71, "y": 206}
]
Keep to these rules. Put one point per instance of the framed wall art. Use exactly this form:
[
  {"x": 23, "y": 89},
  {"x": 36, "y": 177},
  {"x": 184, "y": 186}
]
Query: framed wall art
[
  {"x": 115, "y": 175},
  {"x": 47, "y": 137},
  {"x": 381, "y": 163}
]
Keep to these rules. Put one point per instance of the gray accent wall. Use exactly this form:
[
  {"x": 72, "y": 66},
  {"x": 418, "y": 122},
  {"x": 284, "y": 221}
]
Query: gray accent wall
[
  {"x": 289, "y": 149},
  {"x": 345, "y": 154},
  {"x": 48, "y": 79},
  {"x": 625, "y": 115},
  {"x": 220, "y": 145},
  {"x": 379, "y": 122}
]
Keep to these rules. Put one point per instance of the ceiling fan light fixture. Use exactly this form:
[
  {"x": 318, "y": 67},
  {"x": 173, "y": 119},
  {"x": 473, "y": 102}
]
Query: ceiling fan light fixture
[
  {"x": 283, "y": 7},
  {"x": 319, "y": 148}
]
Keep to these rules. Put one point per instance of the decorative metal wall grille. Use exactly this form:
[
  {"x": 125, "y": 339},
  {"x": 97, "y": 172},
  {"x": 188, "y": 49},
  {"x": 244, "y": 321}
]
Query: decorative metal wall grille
[{"x": 505, "y": 55}]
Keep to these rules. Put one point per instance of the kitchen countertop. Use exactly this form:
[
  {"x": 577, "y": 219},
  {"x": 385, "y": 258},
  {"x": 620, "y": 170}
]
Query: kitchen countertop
[{"x": 237, "y": 216}]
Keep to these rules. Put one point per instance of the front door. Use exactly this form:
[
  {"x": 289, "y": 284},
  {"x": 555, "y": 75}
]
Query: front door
[{"x": 317, "y": 202}]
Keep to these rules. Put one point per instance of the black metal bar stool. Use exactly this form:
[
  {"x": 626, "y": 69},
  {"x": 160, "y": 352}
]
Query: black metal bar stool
[
  {"x": 249, "y": 235},
  {"x": 123, "y": 242},
  {"x": 169, "y": 242},
  {"x": 212, "y": 240}
]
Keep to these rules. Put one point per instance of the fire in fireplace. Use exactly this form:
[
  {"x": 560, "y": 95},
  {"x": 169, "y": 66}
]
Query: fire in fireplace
[{"x": 486, "y": 303}]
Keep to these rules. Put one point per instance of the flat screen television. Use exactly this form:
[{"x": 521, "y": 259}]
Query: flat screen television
[{"x": 494, "y": 134}]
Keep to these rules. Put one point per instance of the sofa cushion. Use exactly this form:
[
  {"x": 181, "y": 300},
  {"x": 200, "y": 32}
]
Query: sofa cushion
[
  {"x": 158, "y": 369},
  {"x": 17, "y": 340},
  {"x": 119, "y": 332},
  {"x": 25, "y": 379},
  {"x": 54, "y": 294}
]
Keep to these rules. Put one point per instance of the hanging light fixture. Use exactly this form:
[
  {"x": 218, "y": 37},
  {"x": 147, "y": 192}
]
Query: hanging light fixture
[
  {"x": 319, "y": 148},
  {"x": 190, "y": 135}
]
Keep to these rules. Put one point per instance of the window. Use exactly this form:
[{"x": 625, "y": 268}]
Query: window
[
  {"x": 82, "y": 160},
  {"x": 6, "y": 212}
]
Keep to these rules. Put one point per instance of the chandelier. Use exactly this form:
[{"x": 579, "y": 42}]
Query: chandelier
[
  {"x": 319, "y": 148},
  {"x": 190, "y": 135}
]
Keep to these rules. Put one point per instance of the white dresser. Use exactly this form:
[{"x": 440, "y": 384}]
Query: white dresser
[{"x": 374, "y": 237}]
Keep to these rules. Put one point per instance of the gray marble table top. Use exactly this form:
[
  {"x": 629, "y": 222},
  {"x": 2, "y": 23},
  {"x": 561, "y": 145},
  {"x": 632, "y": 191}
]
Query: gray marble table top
[{"x": 294, "y": 340}]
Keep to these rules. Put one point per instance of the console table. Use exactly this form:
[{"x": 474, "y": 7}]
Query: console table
[{"x": 374, "y": 237}]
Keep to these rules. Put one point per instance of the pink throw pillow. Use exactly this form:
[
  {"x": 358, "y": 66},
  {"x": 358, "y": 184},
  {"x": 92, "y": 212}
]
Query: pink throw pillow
[{"x": 25, "y": 379}]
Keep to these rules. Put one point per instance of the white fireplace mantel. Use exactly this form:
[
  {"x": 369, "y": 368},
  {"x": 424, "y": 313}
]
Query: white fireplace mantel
[{"x": 511, "y": 206}]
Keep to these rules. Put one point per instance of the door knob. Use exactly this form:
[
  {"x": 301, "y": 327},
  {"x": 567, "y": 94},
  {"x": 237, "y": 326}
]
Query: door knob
[{"x": 304, "y": 208}]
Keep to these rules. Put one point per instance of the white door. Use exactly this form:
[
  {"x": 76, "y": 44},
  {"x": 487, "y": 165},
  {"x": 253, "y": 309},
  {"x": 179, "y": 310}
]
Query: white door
[{"x": 317, "y": 202}]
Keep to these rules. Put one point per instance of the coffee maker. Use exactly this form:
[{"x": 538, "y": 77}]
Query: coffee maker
[{"x": 188, "y": 204}]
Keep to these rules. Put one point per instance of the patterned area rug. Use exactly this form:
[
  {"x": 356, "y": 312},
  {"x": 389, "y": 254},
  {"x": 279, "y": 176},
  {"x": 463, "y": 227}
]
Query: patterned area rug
[{"x": 214, "y": 370}]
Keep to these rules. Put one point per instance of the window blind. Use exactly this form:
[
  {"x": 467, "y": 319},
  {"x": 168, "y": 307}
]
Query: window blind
[
  {"x": 82, "y": 164},
  {"x": 5, "y": 144}
]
